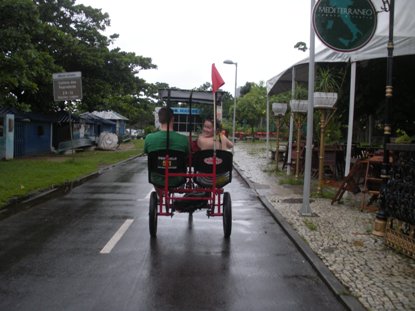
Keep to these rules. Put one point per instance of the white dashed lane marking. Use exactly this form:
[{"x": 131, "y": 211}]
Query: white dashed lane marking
[{"x": 116, "y": 237}]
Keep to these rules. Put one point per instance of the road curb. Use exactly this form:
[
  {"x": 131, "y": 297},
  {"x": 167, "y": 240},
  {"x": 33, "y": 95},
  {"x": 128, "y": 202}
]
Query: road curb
[
  {"x": 32, "y": 199},
  {"x": 342, "y": 294}
]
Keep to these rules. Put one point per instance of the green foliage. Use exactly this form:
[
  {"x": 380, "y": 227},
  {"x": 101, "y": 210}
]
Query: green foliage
[
  {"x": 300, "y": 92},
  {"x": 280, "y": 98},
  {"x": 207, "y": 86},
  {"x": 329, "y": 79},
  {"x": 227, "y": 126},
  {"x": 290, "y": 180},
  {"x": 402, "y": 137},
  {"x": 310, "y": 225},
  {"x": 246, "y": 88},
  {"x": 40, "y": 38},
  {"x": 23, "y": 65},
  {"x": 252, "y": 106},
  {"x": 333, "y": 132},
  {"x": 327, "y": 192},
  {"x": 149, "y": 129},
  {"x": 227, "y": 106}
]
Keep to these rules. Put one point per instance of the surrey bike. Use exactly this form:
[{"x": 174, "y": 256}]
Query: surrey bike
[{"x": 204, "y": 173}]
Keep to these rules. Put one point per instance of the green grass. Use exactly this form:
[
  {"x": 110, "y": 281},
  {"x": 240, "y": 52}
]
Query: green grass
[
  {"x": 270, "y": 168},
  {"x": 19, "y": 177},
  {"x": 310, "y": 225},
  {"x": 326, "y": 193},
  {"x": 289, "y": 180}
]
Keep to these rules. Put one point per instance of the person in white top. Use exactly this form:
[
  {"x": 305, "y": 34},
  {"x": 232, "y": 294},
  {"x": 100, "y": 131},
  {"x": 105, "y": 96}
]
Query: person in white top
[{"x": 206, "y": 139}]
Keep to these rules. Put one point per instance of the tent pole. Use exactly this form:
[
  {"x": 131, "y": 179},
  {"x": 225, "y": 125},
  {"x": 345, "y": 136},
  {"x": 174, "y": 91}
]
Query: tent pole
[{"x": 351, "y": 115}]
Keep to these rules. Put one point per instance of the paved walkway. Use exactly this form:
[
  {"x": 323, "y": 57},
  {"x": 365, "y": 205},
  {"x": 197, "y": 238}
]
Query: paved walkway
[{"x": 340, "y": 235}]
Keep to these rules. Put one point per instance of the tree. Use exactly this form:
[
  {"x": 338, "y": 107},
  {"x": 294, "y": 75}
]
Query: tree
[
  {"x": 246, "y": 88},
  {"x": 329, "y": 79},
  {"x": 47, "y": 36},
  {"x": 251, "y": 107},
  {"x": 207, "y": 86},
  {"x": 23, "y": 66},
  {"x": 227, "y": 109}
]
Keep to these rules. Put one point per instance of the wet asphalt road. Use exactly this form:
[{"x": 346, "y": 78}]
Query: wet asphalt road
[{"x": 56, "y": 256}]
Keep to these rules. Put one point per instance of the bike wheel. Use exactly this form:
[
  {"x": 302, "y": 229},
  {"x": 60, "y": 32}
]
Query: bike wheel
[
  {"x": 152, "y": 214},
  {"x": 227, "y": 214}
]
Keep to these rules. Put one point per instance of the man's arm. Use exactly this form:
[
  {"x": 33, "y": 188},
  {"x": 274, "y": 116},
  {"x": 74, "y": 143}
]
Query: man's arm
[{"x": 228, "y": 143}]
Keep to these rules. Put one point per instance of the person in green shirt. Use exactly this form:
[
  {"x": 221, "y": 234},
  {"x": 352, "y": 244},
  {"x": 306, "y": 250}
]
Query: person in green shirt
[{"x": 158, "y": 141}]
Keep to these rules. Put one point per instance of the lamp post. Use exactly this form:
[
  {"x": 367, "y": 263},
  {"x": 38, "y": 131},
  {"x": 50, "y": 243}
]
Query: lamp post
[
  {"x": 323, "y": 102},
  {"x": 381, "y": 216},
  {"x": 229, "y": 62},
  {"x": 279, "y": 110},
  {"x": 298, "y": 108}
]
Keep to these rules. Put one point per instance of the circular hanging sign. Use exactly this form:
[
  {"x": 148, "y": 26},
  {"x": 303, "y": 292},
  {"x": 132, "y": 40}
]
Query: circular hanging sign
[{"x": 344, "y": 25}]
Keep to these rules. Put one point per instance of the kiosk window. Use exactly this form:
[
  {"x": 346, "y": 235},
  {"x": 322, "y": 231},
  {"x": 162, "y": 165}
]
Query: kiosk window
[
  {"x": 40, "y": 130},
  {"x": 11, "y": 125}
]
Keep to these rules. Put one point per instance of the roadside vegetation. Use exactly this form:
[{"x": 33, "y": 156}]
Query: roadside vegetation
[
  {"x": 20, "y": 177},
  {"x": 310, "y": 225}
]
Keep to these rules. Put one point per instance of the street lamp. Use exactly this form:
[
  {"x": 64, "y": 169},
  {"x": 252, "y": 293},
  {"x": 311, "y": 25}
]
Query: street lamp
[
  {"x": 298, "y": 108},
  {"x": 381, "y": 216},
  {"x": 324, "y": 102},
  {"x": 279, "y": 110},
  {"x": 229, "y": 62}
]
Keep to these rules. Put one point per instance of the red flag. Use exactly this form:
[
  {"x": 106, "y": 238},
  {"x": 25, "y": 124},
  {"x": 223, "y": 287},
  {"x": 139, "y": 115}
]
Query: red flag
[{"x": 217, "y": 80}]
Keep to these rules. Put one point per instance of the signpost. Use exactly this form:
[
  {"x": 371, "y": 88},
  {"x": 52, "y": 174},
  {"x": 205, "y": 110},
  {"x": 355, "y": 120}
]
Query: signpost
[
  {"x": 67, "y": 86},
  {"x": 344, "y": 25}
]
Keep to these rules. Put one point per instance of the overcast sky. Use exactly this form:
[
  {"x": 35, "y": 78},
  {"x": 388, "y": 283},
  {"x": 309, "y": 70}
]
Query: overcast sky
[{"x": 184, "y": 37}]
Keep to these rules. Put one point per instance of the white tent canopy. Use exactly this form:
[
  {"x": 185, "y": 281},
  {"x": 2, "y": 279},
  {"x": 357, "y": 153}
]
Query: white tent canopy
[{"x": 404, "y": 44}]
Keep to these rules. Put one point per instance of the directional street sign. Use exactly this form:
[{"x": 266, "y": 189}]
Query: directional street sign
[{"x": 67, "y": 86}]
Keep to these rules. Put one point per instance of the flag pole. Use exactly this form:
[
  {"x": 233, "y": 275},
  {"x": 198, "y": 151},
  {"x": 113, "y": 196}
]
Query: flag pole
[{"x": 214, "y": 122}]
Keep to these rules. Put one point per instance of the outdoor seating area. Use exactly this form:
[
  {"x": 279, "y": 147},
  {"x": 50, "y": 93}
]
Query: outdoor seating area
[
  {"x": 334, "y": 158},
  {"x": 364, "y": 179},
  {"x": 364, "y": 175}
]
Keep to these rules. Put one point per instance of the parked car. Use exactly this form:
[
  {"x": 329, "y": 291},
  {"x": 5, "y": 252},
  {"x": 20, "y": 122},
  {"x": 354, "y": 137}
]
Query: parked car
[{"x": 136, "y": 133}]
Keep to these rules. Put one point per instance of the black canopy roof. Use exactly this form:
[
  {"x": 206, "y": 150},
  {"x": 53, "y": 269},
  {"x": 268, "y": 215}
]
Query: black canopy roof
[{"x": 190, "y": 96}]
